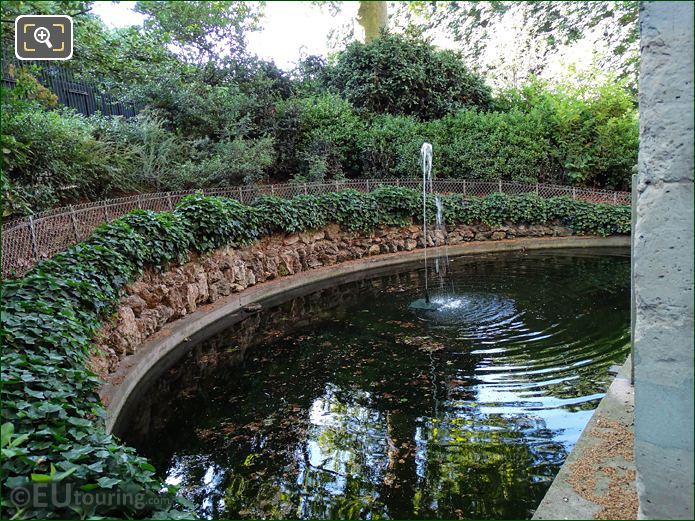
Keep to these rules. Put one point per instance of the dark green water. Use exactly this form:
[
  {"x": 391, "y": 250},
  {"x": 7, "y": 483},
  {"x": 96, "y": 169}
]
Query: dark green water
[{"x": 347, "y": 404}]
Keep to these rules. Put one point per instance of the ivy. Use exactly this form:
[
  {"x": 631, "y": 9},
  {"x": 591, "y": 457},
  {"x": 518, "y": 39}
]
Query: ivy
[{"x": 52, "y": 418}]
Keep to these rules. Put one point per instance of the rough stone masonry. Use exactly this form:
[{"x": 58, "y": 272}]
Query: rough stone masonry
[
  {"x": 157, "y": 298},
  {"x": 663, "y": 264}
]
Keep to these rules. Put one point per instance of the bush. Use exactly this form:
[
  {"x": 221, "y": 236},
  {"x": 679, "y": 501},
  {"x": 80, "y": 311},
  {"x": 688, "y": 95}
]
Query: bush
[
  {"x": 149, "y": 153},
  {"x": 195, "y": 109},
  {"x": 226, "y": 163},
  {"x": 167, "y": 237},
  {"x": 54, "y": 158},
  {"x": 492, "y": 145},
  {"x": 217, "y": 221},
  {"x": 317, "y": 138},
  {"x": 591, "y": 124},
  {"x": 392, "y": 147},
  {"x": 395, "y": 74},
  {"x": 245, "y": 121},
  {"x": 289, "y": 215}
]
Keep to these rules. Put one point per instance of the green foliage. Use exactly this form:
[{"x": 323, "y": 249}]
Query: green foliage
[
  {"x": 397, "y": 206},
  {"x": 351, "y": 209},
  {"x": 50, "y": 399},
  {"x": 52, "y": 418},
  {"x": 398, "y": 75},
  {"x": 166, "y": 236},
  {"x": 542, "y": 31},
  {"x": 277, "y": 214},
  {"x": 227, "y": 163},
  {"x": 145, "y": 150},
  {"x": 392, "y": 147},
  {"x": 582, "y": 216},
  {"x": 54, "y": 156},
  {"x": 492, "y": 145},
  {"x": 202, "y": 29},
  {"x": 225, "y": 122},
  {"x": 591, "y": 125},
  {"x": 193, "y": 108},
  {"x": 318, "y": 137},
  {"x": 216, "y": 221}
]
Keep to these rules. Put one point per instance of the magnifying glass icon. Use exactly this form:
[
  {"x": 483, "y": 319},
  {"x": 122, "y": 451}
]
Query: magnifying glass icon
[{"x": 43, "y": 35}]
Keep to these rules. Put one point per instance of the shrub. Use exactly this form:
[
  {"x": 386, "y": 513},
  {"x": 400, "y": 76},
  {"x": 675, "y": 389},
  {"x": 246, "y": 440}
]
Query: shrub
[
  {"x": 392, "y": 147},
  {"x": 166, "y": 236},
  {"x": 395, "y": 74},
  {"x": 318, "y": 137},
  {"x": 55, "y": 158},
  {"x": 351, "y": 209},
  {"x": 492, "y": 145},
  {"x": 277, "y": 214},
  {"x": 226, "y": 163},
  {"x": 193, "y": 108},
  {"x": 591, "y": 124},
  {"x": 217, "y": 221},
  {"x": 151, "y": 154}
]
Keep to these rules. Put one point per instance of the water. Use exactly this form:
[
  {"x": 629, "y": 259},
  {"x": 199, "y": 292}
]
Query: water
[
  {"x": 440, "y": 210},
  {"x": 426, "y": 163},
  {"x": 346, "y": 404}
]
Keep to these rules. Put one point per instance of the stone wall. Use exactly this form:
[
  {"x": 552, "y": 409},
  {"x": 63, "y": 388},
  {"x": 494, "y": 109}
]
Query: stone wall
[
  {"x": 158, "y": 298},
  {"x": 663, "y": 264}
]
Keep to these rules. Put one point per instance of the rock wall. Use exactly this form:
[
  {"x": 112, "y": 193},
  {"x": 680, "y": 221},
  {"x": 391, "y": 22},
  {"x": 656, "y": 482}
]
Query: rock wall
[
  {"x": 158, "y": 298},
  {"x": 663, "y": 264}
]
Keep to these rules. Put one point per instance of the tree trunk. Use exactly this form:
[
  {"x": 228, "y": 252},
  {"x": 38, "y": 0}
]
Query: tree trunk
[{"x": 372, "y": 16}]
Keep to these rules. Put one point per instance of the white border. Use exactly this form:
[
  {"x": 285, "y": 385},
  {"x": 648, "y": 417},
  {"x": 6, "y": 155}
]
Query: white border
[{"x": 72, "y": 36}]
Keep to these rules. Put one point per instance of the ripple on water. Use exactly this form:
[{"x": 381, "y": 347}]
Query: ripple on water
[{"x": 347, "y": 403}]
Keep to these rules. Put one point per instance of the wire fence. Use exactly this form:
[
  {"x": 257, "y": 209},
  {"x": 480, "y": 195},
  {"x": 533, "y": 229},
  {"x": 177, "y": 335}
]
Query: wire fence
[{"x": 28, "y": 240}]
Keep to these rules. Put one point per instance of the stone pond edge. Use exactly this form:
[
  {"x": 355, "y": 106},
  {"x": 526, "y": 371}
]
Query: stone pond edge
[
  {"x": 172, "y": 339},
  {"x": 563, "y": 500}
]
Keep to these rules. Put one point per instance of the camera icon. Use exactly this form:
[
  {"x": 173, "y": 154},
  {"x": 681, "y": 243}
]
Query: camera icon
[{"x": 43, "y": 37}]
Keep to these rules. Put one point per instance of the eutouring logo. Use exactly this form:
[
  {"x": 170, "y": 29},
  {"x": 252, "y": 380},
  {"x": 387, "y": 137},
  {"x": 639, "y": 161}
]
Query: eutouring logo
[{"x": 43, "y": 37}]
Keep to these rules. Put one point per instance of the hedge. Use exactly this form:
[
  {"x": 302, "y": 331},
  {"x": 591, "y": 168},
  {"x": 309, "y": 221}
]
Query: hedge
[{"x": 53, "y": 428}]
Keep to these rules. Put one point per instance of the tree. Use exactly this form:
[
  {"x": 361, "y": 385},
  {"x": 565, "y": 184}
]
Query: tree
[
  {"x": 538, "y": 30},
  {"x": 373, "y": 17},
  {"x": 203, "y": 31},
  {"x": 400, "y": 75}
]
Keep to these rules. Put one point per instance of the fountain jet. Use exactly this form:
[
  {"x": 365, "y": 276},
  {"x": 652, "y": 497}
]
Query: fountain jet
[{"x": 426, "y": 162}]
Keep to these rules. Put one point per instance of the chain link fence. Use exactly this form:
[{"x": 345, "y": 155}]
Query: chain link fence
[{"x": 26, "y": 241}]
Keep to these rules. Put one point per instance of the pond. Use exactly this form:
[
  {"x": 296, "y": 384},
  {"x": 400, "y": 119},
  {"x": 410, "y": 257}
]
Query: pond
[{"x": 347, "y": 403}]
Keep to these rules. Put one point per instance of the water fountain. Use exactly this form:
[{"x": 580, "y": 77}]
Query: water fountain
[{"x": 426, "y": 304}]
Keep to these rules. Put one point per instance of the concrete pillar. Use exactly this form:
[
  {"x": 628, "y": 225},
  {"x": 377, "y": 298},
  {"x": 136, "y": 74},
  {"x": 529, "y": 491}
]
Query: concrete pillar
[{"x": 663, "y": 260}]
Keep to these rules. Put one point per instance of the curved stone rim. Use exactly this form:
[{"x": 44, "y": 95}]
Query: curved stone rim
[{"x": 164, "y": 348}]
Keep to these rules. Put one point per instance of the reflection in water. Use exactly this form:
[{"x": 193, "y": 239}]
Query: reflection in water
[{"x": 348, "y": 404}]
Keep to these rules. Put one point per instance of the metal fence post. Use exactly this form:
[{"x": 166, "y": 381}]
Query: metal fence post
[
  {"x": 74, "y": 223},
  {"x": 171, "y": 203},
  {"x": 499, "y": 184},
  {"x": 574, "y": 192},
  {"x": 615, "y": 197},
  {"x": 367, "y": 185},
  {"x": 305, "y": 192},
  {"x": 398, "y": 181},
  {"x": 537, "y": 190},
  {"x": 464, "y": 188},
  {"x": 272, "y": 189},
  {"x": 241, "y": 196},
  {"x": 139, "y": 201},
  {"x": 34, "y": 245},
  {"x": 106, "y": 212}
]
